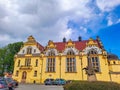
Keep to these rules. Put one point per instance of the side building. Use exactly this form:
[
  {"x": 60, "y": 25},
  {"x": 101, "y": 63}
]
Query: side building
[{"x": 35, "y": 63}]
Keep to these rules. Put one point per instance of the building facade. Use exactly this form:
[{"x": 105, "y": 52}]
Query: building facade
[{"x": 34, "y": 63}]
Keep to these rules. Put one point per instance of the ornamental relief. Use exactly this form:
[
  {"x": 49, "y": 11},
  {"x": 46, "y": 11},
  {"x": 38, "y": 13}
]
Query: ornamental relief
[{"x": 88, "y": 49}]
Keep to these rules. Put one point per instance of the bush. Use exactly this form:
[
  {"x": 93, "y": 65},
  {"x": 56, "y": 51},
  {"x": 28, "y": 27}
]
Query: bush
[{"x": 96, "y": 85}]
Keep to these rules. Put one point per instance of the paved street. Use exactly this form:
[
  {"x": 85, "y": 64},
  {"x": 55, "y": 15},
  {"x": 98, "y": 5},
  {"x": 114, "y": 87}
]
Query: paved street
[{"x": 38, "y": 87}]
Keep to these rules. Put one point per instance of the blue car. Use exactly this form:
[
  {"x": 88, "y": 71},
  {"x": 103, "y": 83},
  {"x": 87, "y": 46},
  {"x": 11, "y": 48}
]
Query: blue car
[
  {"x": 3, "y": 85},
  {"x": 59, "y": 82},
  {"x": 49, "y": 81}
]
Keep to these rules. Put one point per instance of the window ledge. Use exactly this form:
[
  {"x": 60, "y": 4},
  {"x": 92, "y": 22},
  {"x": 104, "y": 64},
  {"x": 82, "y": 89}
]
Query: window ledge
[
  {"x": 98, "y": 72},
  {"x": 70, "y": 72},
  {"x": 50, "y": 72}
]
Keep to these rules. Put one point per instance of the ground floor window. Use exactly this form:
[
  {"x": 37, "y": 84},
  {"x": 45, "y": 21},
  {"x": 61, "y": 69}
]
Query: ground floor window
[
  {"x": 50, "y": 65},
  {"x": 70, "y": 65}
]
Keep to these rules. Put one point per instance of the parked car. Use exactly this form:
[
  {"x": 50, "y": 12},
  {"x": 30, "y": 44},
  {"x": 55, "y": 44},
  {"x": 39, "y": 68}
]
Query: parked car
[
  {"x": 3, "y": 85},
  {"x": 10, "y": 83},
  {"x": 49, "y": 81},
  {"x": 59, "y": 82}
]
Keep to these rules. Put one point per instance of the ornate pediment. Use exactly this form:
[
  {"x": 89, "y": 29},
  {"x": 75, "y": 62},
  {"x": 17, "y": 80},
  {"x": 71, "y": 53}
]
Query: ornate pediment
[
  {"x": 70, "y": 44},
  {"x": 31, "y": 41},
  {"x": 51, "y": 44},
  {"x": 89, "y": 48},
  {"x": 51, "y": 52},
  {"x": 91, "y": 42},
  {"x": 74, "y": 50}
]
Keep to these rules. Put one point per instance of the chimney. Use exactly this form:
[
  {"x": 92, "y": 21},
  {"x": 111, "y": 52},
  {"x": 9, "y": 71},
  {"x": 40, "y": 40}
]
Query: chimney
[
  {"x": 98, "y": 38},
  {"x": 79, "y": 38},
  {"x": 64, "y": 39}
]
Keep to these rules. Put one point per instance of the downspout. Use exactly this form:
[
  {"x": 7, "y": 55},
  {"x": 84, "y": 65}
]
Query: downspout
[
  {"x": 60, "y": 64},
  {"x": 41, "y": 70},
  {"x": 82, "y": 68},
  {"x": 110, "y": 75}
]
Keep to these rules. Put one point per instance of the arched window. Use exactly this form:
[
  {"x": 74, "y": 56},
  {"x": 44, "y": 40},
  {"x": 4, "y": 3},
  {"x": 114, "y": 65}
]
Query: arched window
[
  {"x": 70, "y": 61},
  {"x": 51, "y": 53},
  {"x": 114, "y": 62},
  {"x": 51, "y": 61},
  {"x": 29, "y": 50},
  {"x": 70, "y": 52},
  {"x": 93, "y": 60},
  {"x": 108, "y": 62},
  {"x": 92, "y": 52}
]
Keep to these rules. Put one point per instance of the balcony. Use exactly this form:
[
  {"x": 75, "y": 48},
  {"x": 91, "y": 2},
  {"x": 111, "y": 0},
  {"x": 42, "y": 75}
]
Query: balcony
[{"x": 23, "y": 67}]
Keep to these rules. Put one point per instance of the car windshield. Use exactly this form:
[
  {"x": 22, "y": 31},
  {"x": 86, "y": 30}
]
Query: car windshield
[
  {"x": 59, "y": 80},
  {"x": 49, "y": 79}
]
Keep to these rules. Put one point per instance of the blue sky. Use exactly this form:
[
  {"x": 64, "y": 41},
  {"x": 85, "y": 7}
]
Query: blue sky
[{"x": 55, "y": 19}]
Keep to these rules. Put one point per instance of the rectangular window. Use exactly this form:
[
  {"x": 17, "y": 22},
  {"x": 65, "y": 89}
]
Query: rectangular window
[
  {"x": 17, "y": 73},
  {"x": 50, "y": 65},
  {"x": 71, "y": 65},
  {"x": 36, "y": 63},
  {"x": 34, "y": 50},
  {"x": 27, "y": 62},
  {"x": 18, "y": 63},
  {"x": 29, "y": 50},
  {"x": 35, "y": 73},
  {"x": 95, "y": 64}
]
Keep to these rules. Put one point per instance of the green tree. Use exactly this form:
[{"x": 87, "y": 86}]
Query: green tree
[{"x": 7, "y": 56}]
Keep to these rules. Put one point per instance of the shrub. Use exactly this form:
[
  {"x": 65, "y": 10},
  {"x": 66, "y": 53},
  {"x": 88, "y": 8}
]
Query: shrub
[{"x": 96, "y": 85}]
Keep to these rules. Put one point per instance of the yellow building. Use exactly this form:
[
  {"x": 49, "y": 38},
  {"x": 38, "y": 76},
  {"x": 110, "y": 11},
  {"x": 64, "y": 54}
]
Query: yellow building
[{"x": 34, "y": 62}]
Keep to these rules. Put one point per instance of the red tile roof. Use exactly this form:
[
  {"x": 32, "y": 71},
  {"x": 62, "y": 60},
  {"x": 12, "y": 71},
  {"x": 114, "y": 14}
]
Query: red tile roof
[
  {"x": 41, "y": 48},
  {"x": 79, "y": 45}
]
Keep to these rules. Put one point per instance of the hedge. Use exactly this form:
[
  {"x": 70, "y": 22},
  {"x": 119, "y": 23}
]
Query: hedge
[{"x": 96, "y": 85}]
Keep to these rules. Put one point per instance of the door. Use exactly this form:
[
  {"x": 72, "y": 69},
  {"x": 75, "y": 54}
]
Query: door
[{"x": 24, "y": 76}]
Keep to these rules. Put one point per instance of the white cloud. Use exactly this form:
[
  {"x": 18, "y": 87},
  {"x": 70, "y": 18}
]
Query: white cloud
[
  {"x": 48, "y": 19},
  {"x": 109, "y": 21},
  {"x": 118, "y": 21},
  {"x": 5, "y": 39},
  {"x": 107, "y": 5},
  {"x": 83, "y": 29}
]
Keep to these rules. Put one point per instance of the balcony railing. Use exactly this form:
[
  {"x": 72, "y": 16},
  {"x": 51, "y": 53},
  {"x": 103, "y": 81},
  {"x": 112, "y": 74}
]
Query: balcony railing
[{"x": 23, "y": 67}]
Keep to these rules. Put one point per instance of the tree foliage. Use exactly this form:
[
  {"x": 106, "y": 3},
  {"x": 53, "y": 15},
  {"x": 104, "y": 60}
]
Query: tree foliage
[{"x": 7, "y": 56}]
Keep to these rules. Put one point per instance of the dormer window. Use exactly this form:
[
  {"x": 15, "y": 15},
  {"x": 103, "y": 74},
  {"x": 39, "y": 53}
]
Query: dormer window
[
  {"x": 23, "y": 51},
  {"x": 29, "y": 50},
  {"x": 114, "y": 62},
  {"x": 70, "y": 52},
  {"x": 34, "y": 50},
  {"x": 51, "y": 53}
]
